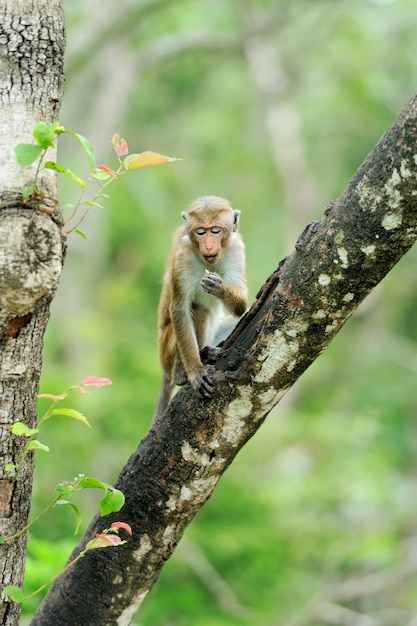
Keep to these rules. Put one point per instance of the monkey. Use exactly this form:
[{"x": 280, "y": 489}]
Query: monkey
[{"x": 204, "y": 279}]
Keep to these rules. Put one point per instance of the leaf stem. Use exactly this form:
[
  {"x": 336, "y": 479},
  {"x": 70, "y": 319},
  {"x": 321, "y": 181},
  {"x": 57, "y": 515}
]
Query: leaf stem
[
  {"x": 38, "y": 169},
  {"x": 32, "y": 521},
  {"x": 54, "y": 577}
]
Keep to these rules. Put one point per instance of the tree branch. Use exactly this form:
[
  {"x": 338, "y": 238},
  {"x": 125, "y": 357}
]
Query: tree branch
[{"x": 336, "y": 263}]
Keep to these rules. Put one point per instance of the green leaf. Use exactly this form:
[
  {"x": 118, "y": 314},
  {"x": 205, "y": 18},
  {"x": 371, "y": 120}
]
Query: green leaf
[
  {"x": 81, "y": 233},
  {"x": 44, "y": 134},
  {"x": 51, "y": 165},
  {"x": 14, "y": 593},
  {"x": 19, "y": 428},
  {"x": 28, "y": 191},
  {"x": 77, "y": 513},
  {"x": 27, "y": 153},
  {"x": 147, "y": 159},
  {"x": 112, "y": 501},
  {"x": 76, "y": 415},
  {"x": 100, "y": 175},
  {"x": 64, "y": 489},
  {"x": 10, "y": 467},
  {"x": 90, "y": 203},
  {"x": 87, "y": 482},
  {"x": 85, "y": 144},
  {"x": 37, "y": 445}
]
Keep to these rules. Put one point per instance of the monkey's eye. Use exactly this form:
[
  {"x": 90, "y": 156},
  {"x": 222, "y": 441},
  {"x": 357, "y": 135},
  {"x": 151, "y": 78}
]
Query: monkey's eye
[
  {"x": 215, "y": 230},
  {"x": 200, "y": 231}
]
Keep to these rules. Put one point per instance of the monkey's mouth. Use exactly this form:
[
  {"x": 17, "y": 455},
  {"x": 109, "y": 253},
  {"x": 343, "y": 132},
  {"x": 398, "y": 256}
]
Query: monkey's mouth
[{"x": 210, "y": 258}]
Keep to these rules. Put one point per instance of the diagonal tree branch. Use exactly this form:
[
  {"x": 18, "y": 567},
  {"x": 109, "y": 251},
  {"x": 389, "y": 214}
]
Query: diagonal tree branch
[{"x": 336, "y": 263}]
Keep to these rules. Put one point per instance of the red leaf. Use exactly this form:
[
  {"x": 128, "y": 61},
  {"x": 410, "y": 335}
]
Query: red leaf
[
  {"x": 104, "y": 541},
  {"x": 95, "y": 381},
  {"x": 104, "y": 168},
  {"x": 119, "y": 145},
  {"x": 116, "y": 525}
]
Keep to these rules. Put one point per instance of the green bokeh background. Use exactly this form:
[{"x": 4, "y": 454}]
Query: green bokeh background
[{"x": 273, "y": 104}]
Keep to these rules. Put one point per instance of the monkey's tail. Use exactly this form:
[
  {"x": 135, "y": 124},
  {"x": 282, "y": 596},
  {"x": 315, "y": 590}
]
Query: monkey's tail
[{"x": 164, "y": 397}]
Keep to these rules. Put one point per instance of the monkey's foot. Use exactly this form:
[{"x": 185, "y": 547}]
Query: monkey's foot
[{"x": 203, "y": 382}]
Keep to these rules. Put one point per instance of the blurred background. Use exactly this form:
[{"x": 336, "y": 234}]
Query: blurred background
[{"x": 274, "y": 105}]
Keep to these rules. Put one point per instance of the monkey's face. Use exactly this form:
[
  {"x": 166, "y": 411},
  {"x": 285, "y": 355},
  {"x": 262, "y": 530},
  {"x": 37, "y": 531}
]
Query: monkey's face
[
  {"x": 210, "y": 241},
  {"x": 209, "y": 222}
]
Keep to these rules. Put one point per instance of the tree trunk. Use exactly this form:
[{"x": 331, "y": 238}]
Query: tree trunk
[
  {"x": 336, "y": 263},
  {"x": 32, "y": 39}
]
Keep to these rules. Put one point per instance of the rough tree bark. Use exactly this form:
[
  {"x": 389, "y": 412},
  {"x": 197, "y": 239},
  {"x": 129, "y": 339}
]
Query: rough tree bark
[
  {"x": 336, "y": 263},
  {"x": 32, "y": 40}
]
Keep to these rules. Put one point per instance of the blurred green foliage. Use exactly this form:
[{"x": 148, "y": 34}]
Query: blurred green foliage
[{"x": 273, "y": 104}]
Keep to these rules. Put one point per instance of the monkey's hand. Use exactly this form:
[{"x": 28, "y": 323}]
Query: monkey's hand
[
  {"x": 212, "y": 283},
  {"x": 211, "y": 354},
  {"x": 203, "y": 382}
]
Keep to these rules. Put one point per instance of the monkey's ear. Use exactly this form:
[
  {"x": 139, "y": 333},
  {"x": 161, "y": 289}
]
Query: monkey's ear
[
  {"x": 184, "y": 215},
  {"x": 236, "y": 213}
]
